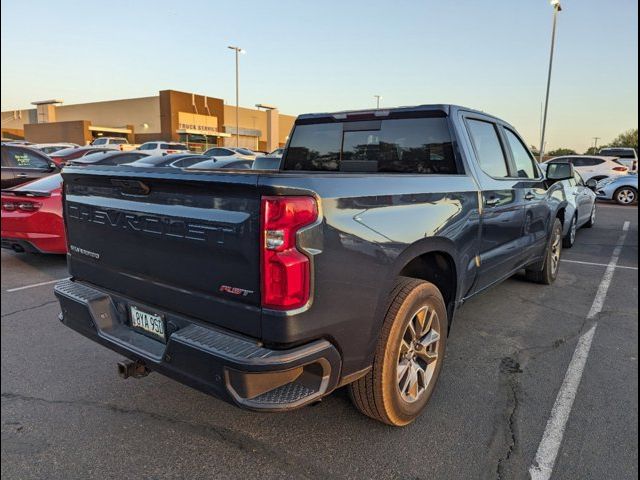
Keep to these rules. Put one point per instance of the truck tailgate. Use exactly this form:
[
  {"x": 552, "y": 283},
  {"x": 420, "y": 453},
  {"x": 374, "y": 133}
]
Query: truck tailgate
[{"x": 181, "y": 241}]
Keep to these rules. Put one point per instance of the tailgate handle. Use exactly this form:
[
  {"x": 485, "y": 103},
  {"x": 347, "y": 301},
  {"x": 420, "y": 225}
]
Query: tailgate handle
[{"x": 131, "y": 187}]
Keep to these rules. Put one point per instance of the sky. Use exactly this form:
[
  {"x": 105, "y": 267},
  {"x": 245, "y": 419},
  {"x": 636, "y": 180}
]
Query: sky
[{"x": 317, "y": 56}]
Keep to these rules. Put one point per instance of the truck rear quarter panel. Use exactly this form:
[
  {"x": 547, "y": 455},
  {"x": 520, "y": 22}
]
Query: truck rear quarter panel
[{"x": 365, "y": 240}]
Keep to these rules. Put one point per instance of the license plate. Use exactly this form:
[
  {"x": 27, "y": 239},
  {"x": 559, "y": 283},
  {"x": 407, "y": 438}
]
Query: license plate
[{"x": 148, "y": 322}]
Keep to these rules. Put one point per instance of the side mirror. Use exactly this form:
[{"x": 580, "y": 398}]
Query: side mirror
[
  {"x": 560, "y": 171},
  {"x": 592, "y": 183},
  {"x": 52, "y": 166}
]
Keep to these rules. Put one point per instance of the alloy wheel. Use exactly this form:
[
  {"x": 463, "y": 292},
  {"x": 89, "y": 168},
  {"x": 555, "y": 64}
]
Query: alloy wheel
[
  {"x": 572, "y": 231},
  {"x": 418, "y": 355},
  {"x": 626, "y": 196}
]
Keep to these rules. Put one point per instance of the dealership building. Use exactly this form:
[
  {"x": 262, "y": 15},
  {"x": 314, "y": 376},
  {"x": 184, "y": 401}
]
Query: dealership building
[{"x": 197, "y": 120}]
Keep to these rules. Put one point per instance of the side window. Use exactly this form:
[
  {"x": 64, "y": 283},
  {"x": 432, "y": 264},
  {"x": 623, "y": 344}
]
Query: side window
[
  {"x": 581, "y": 162},
  {"x": 595, "y": 161},
  {"x": 23, "y": 158},
  {"x": 100, "y": 141},
  {"x": 223, "y": 152},
  {"x": 488, "y": 148},
  {"x": 521, "y": 156},
  {"x": 118, "y": 141}
]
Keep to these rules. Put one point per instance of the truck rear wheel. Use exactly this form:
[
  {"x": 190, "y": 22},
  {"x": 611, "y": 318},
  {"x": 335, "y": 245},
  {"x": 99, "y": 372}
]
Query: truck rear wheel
[{"x": 408, "y": 357}]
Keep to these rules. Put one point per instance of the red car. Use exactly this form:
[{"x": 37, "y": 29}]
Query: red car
[
  {"x": 32, "y": 217},
  {"x": 61, "y": 157}
]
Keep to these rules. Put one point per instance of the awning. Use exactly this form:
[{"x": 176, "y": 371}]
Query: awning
[{"x": 95, "y": 128}]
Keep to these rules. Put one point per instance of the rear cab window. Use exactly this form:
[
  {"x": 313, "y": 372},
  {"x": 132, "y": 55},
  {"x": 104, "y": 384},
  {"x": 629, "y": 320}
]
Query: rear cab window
[{"x": 393, "y": 145}]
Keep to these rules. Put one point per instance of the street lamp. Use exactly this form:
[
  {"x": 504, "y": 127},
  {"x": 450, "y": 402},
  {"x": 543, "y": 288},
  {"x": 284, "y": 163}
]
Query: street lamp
[
  {"x": 238, "y": 51},
  {"x": 556, "y": 8},
  {"x": 377, "y": 97}
]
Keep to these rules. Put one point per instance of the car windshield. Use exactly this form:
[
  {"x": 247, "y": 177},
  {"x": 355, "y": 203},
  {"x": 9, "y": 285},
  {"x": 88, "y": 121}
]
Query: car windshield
[
  {"x": 244, "y": 151},
  {"x": 45, "y": 184},
  {"x": 66, "y": 151}
]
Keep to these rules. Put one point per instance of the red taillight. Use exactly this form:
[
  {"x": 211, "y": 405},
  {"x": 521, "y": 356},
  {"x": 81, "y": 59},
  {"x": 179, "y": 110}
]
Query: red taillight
[
  {"x": 620, "y": 169},
  {"x": 286, "y": 272},
  {"x": 22, "y": 205}
]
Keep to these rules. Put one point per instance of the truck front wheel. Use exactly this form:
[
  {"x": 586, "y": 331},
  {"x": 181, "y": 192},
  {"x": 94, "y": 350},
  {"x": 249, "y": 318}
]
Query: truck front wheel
[{"x": 408, "y": 357}]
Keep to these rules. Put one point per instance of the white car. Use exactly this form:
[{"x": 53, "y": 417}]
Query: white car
[
  {"x": 626, "y": 156},
  {"x": 112, "y": 143},
  {"x": 50, "y": 148},
  {"x": 223, "y": 153},
  {"x": 277, "y": 153},
  {"x": 595, "y": 167},
  {"x": 163, "y": 148}
]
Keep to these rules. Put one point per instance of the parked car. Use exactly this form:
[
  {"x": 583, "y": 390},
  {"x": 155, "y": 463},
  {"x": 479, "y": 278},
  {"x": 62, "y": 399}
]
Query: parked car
[
  {"x": 266, "y": 163},
  {"x": 626, "y": 156},
  {"x": 592, "y": 166},
  {"x": 622, "y": 189},
  {"x": 32, "y": 217},
  {"x": 163, "y": 148},
  {"x": 61, "y": 157},
  {"x": 113, "y": 143},
  {"x": 227, "y": 152},
  {"x": 14, "y": 141},
  {"x": 581, "y": 199},
  {"x": 229, "y": 163},
  {"x": 346, "y": 267},
  {"x": 108, "y": 157},
  {"x": 175, "y": 160},
  {"x": 278, "y": 152},
  {"x": 50, "y": 148},
  {"x": 23, "y": 164}
]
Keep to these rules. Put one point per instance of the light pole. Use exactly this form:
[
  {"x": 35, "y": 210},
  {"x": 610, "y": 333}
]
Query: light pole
[
  {"x": 556, "y": 8},
  {"x": 377, "y": 97},
  {"x": 238, "y": 51},
  {"x": 595, "y": 144}
]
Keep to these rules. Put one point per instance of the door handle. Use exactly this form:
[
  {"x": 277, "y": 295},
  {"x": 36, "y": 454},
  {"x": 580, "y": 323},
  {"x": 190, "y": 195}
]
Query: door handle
[
  {"x": 529, "y": 196},
  {"x": 492, "y": 201},
  {"x": 22, "y": 175}
]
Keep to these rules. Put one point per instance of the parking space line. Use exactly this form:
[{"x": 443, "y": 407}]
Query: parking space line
[
  {"x": 598, "y": 264},
  {"x": 17, "y": 289},
  {"x": 549, "y": 447}
]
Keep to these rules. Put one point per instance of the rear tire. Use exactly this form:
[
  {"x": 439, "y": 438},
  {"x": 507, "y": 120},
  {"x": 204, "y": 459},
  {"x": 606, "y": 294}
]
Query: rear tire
[
  {"x": 408, "y": 357},
  {"x": 625, "y": 196},
  {"x": 551, "y": 264},
  {"x": 570, "y": 238}
]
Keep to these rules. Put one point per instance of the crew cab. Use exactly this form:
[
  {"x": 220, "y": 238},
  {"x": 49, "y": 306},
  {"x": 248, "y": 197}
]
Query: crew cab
[
  {"x": 113, "y": 143},
  {"x": 270, "y": 289}
]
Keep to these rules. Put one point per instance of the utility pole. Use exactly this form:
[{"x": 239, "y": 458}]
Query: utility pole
[
  {"x": 556, "y": 8},
  {"x": 595, "y": 144},
  {"x": 377, "y": 97},
  {"x": 238, "y": 51}
]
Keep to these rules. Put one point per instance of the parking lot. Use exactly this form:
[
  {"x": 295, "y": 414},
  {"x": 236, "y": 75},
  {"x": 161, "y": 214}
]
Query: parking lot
[{"x": 67, "y": 414}]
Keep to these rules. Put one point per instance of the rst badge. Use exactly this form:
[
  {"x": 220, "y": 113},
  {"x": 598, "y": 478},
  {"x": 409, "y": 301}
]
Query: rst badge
[{"x": 240, "y": 292}]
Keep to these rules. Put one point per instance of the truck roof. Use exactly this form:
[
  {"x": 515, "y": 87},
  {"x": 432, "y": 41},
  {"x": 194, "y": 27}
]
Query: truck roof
[{"x": 446, "y": 109}]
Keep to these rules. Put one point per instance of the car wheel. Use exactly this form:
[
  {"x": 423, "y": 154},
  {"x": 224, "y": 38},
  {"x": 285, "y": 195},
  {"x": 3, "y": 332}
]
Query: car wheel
[
  {"x": 551, "y": 262},
  {"x": 570, "y": 238},
  {"x": 625, "y": 195},
  {"x": 592, "y": 219},
  {"x": 408, "y": 356}
]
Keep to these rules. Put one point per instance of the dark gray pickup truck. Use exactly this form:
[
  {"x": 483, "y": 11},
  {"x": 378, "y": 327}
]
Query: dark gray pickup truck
[{"x": 270, "y": 289}]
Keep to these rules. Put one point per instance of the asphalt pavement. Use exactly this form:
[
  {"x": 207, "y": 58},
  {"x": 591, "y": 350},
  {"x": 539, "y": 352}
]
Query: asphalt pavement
[{"x": 66, "y": 414}]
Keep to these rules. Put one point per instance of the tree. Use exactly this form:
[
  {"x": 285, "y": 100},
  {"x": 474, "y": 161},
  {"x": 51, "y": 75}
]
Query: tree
[
  {"x": 561, "y": 151},
  {"x": 626, "y": 139}
]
